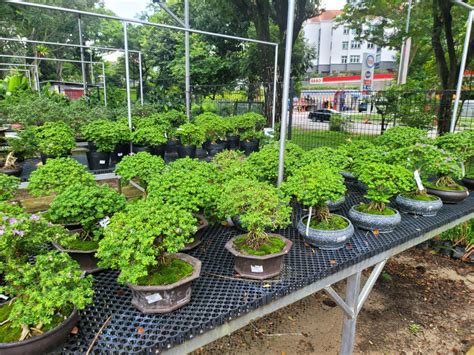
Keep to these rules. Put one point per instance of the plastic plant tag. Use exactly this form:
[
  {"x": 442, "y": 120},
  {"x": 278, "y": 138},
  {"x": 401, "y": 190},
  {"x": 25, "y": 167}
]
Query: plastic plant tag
[
  {"x": 256, "y": 268},
  {"x": 104, "y": 222},
  {"x": 120, "y": 154},
  {"x": 463, "y": 169},
  {"x": 101, "y": 162},
  {"x": 153, "y": 298},
  {"x": 419, "y": 184},
  {"x": 3, "y": 297}
]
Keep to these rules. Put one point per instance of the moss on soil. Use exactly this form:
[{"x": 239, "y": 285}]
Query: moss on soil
[
  {"x": 414, "y": 196},
  {"x": 455, "y": 187},
  {"x": 176, "y": 270},
  {"x": 10, "y": 333},
  {"x": 364, "y": 208},
  {"x": 84, "y": 245},
  {"x": 274, "y": 245},
  {"x": 335, "y": 222}
]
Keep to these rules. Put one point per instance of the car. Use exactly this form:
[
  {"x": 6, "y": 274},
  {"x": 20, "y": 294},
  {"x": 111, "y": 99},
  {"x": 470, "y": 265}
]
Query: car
[{"x": 322, "y": 115}]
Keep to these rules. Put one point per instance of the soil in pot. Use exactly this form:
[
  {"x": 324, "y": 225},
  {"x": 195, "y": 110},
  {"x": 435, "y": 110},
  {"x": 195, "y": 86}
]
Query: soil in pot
[
  {"x": 52, "y": 336},
  {"x": 168, "y": 274},
  {"x": 250, "y": 146},
  {"x": 232, "y": 142},
  {"x": 449, "y": 194},
  {"x": 187, "y": 151},
  {"x": 332, "y": 234},
  {"x": 365, "y": 209},
  {"x": 275, "y": 245},
  {"x": 98, "y": 160}
]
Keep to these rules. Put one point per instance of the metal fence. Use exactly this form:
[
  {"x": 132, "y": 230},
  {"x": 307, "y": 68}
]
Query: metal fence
[{"x": 330, "y": 117}]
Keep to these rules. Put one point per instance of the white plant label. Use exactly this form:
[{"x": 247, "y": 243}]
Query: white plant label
[
  {"x": 153, "y": 298},
  {"x": 104, "y": 222},
  {"x": 256, "y": 268},
  {"x": 3, "y": 297},
  {"x": 120, "y": 154},
  {"x": 419, "y": 184},
  {"x": 463, "y": 169},
  {"x": 101, "y": 162}
]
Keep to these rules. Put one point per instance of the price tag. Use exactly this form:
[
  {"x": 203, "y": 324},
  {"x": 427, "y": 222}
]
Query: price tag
[
  {"x": 419, "y": 184},
  {"x": 101, "y": 162},
  {"x": 104, "y": 222},
  {"x": 153, "y": 298},
  {"x": 256, "y": 268}
]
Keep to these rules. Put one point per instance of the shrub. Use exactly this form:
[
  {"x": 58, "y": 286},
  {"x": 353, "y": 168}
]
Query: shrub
[
  {"x": 105, "y": 134},
  {"x": 229, "y": 164},
  {"x": 259, "y": 206},
  {"x": 384, "y": 181},
  {"x": 55, "y": 139},
  {"x": 142, "y": 166},
  {"x": 398, "y": 137},
  {"x": 336, "y": 123},
  {"x": 8, "y": 186},
  {"x": 149, "y": 136},
  {"x": 214, "y": 126},
  {"x": 86, "y": 205},
  {"x": 43, "y": 291},
  {"x": 56, "y": 175},
  {"x": 250, "y": 125},
  {"x": 336, "y": 158},
  {"x": 459, "y": 145},
  {"x": 136, "y": 240},
  {"x": 191, "y": 134},
  {"x": 353, "y": 150},
  {"x": 11, "y": 209},
  {"x": 24, "y": 146},
  {"x": 174, "y": 117}
]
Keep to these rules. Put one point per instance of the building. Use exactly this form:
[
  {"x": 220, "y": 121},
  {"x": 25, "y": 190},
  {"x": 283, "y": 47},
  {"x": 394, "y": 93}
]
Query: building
[{"x": 337, "y": 50}]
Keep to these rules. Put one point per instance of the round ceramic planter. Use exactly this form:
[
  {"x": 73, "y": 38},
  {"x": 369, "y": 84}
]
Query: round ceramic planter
[
  {"x": 42, "y": 343},
  {"x": 326, "y": 239},
  {"x": 258, "y": 267},
  {"x": 468, "y": 182},
  {"x": 448, "y": 196},
  {"x": 371, "y": 222},
  {"x": 422, "y": 208},
  {"x": 250, "y": 146},
  {"x": 166, "y": 298},
  {"x": 203, "y": 223},
  {"x": 336, "y": 205}
]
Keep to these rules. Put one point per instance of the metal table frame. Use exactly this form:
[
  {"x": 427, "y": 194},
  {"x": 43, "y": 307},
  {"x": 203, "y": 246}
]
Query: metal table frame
[{"x": 351, "y": 306}]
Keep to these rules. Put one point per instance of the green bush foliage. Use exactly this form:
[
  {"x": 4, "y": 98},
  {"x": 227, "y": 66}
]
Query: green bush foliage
[
  {"x": 229, "y": 164},
  {"x": 8, "y": 186},
  {"x": 191, "y": 134},
  {"x": 136, "y": 240},
  {"x": 336, "y": 158},
  {"x": 149, "y": 136},
  {"x": 105, "y": 134},
  {"x": 336, "y": 123},
  {"x": 353, "y": 150},
  {"x": 250, "y": 125},
  {"x": 11, "y": 209},
  {"x": 55, "y": 139},
  {"x": 461, "y": 146},
  {"x": 56, "y": 175},
  {"x": 24, "y": 146},
  {"x": 215, "y": 126},
  {"x": 401, "y": 136},
  {"x": 141, "y": 166}
]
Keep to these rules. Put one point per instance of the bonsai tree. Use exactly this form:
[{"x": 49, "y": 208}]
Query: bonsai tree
[
  {"x": 105, "y": 134},
  {"x": 85, "y": 205},
  {"x": 383, "y": 182},
  {"x": 461, "y": 146},
  {"x": 24, "y": 145},
  {"x": 174, "y": 117},
  {"x": 215, "y": 126},
  {"x": 250, "y": 125},
  {"x": 141, "y": 166},
  {"x": 336, "y": 158},
  {"x": 353, "y": 150},
  {"x": 313, "y": 185},
  {"x": 401, "y": 136},
  {"x": 149, "y": 136},
  {"x": 56, "y": 175},
  {"x": 43, "y": 295},
  {"x": 230, "y": 164},
  {"x": 141, "y": 240},
  {"x": 55, "y": 139},
  {"x": 8, "y": 186},
  {"x": 259, "y": 206},
  {"x": 191, "y": 134}
]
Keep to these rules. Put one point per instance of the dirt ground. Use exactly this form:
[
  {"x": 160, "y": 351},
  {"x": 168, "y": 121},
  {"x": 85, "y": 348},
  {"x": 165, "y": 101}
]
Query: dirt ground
[{"x": 422, "y": 304}]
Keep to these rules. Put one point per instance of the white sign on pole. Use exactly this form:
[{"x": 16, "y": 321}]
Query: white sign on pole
[{"x": 367, "y": 73}]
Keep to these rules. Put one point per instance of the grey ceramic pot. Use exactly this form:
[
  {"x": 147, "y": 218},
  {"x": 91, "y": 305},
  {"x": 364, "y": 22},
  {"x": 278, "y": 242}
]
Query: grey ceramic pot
[
  {"x": 335, "y": 205},
  {"x": 422, "y": 208},
  {"x": 371, "y": 222},
  {"x": 326, "y": 239}
]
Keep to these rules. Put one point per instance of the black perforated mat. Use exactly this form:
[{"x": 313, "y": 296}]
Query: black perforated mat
[{"x": 216, "y": 299}]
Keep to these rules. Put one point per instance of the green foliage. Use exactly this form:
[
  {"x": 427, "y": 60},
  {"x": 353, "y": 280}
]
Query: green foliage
[
  {"x": 11, "y": 209},
  {"x": 264, "y": 164},
  {"x": 24, "y": 146},
  {"x": 52, "y": 284},
  {"x": 384, "y": 181},
  {"x": 55, "y": 139},
  {"x": 86, "y": 205},
  {"x": 315, "y": 184},
  {"x": 400, "y": 136},
  {"x": 136, "y": 240},
  {"x": 462, "y": 234},
  {"x": 188, "y": 184},
  {"x": 13, "y": 83},
  {"x": 459, "y": 145},
  {"x": 167, "y": 274},
  {"x": 56, "y": 175},
  {"x": 142, "y": 166},
  {"x": 274, "y": 245},
  {"x": 354, "y": 150},
  {"x": 23, "y": 235},
  {"x": 149, "y": 136},
  {"x": 191, "y": 134},
  {"x": 250, "y": 125},
  {"x": 259, "y": 206},
  {"x": 336, "y": 158},
  {"x": 8, "y": 186},
  {"x": 105, "y": 134},
  {"x": 230, "y": 164},
  {"x": 214, "y": 126},
  {"x": 336, "y": 123}
]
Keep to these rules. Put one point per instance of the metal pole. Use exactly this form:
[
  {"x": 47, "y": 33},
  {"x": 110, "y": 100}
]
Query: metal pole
[
  {"x": 43, "y": 58},
  {"x": 275, "y": 78},
  {"x": 349, "y": 323},
  {"x": 140, "y": 72},
  {"x": 286, "y": 88},
  {"x": 83, "y": 66},
  {"x": 187, "y": 61},
  {"x": 405, "y": 52},
  {"x": 104, "y": 85},
  {"x": 127, "y": 78},
  {"x": 37, "y": 80},
  {"x": 92, "y": 67},
  {"x": 461, "y": 70},
  {"x": 290, "y": 114}
]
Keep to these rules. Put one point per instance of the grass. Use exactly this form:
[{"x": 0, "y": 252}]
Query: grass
[
  {"x": 10, "y": 333},
  {"x": 335, "y": 222},
  {"x": 417, "y": 197},
  {"x": 455, "y": 187},
  {"x": 313, "y": 139},
  {"x": 364, "y": 208},
  {"x": 176, "y": 270},
  {"x": 274, "y": 246},
  {"x": 78, "y": 244}
]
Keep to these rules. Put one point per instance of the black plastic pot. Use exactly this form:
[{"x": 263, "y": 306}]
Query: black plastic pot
[
  {"x": 45, "y": 157},
  {"x": 43, "y": 343},
  {"x": 187, "y": 151},
  {"x": 159, "y": 150},
  {"x": 214, "y": 148},
  {"x": 172, "y": 146},
  {"x": 139, "y": 148},
  {"x": 120, "y": 151},
  {"x": 16, "y": 171},
  {"x": 232, "y": 142},
  {"x": 468, "y": 182},
  {"x": 98, "y": 160},
  {"x": 250, "y": 146},
  {"x": 449, "y": 196}
]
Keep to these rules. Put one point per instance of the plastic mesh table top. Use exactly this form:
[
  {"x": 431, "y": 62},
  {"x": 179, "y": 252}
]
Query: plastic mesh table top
[{"x": 216, "y": 299}]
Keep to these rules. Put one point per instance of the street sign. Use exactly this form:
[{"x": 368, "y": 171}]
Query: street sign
[{"x": 367, "y": 73}]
